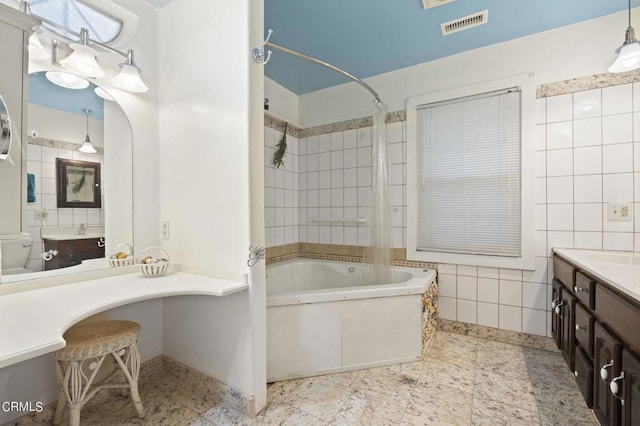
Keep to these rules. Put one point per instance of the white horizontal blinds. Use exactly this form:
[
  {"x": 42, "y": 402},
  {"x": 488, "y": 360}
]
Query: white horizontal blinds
[{"x": 469, "y": 175}]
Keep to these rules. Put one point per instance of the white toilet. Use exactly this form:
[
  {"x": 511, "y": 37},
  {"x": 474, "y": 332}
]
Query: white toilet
[{"x": 14, "y": 253}]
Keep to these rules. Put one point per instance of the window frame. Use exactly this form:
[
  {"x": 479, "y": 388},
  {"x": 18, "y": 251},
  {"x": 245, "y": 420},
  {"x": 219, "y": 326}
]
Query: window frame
[{"x": 526, "y": 84}]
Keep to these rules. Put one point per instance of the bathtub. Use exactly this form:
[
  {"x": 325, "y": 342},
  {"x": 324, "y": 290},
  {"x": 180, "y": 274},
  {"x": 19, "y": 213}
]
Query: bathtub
[{"x": 324, "y": 317}]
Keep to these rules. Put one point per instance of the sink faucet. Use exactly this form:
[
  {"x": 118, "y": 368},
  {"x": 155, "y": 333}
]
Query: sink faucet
[{"x": 82, "y": 229}]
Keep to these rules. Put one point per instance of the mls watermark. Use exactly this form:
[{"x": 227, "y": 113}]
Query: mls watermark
[{"x": 21, "y": 406}]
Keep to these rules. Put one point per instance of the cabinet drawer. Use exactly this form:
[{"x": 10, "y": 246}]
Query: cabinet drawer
[
  {"x": 584, "y": 290},
  {"x": 621, "y": 316},
  {"x": 583, "y": 372},
  {"x": 563, "y": 272},
  {"x": 584, "y": 329}
]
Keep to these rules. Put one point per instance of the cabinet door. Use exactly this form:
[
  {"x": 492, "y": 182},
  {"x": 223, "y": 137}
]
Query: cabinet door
[
  {"x": 556, "y": 297},
  {"x": 606, "y": 353},
  {"x": 583, "y": 373},
  {"x": 567, "y": 321},
  {"x": 631, "y": 389}
]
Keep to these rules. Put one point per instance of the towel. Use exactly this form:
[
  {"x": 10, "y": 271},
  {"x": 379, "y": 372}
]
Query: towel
[{"x": 31, "y": 188}]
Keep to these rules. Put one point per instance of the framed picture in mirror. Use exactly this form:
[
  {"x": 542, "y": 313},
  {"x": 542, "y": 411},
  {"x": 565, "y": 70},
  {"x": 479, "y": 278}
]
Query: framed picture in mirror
[{"x": 78, "y": 183}]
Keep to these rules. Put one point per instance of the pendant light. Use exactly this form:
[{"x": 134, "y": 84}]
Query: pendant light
[
  {"x": 629, "y": 53},
  {"x": 87, "y": 147},
  {"x": 129, "y": 77},
  {"x": 83, "y": 58}
]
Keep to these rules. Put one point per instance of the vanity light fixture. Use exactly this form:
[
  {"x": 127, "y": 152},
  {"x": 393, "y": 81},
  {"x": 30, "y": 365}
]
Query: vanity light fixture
[
  {"x": 103, "y": 94},
  {"x": 36, "y": 49},
  {"x": 129, "y": 76},
  {"x": 83, "y": 58},
  {"x": 66, "y": 80},
  {"x": 629, "y": 53},
  {"x": 83, "y": 61},
  {"x": 87, "y": 146}
]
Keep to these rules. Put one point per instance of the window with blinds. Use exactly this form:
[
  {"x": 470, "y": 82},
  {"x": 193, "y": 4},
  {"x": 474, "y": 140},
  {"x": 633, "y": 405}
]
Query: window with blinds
[{"x": 468, "y": 175}]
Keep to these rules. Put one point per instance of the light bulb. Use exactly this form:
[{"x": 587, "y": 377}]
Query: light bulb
[
  {"x": 83, "y": 61},
  {"x": 129, "y": 79},
  {"x": 67, "y": 80}
]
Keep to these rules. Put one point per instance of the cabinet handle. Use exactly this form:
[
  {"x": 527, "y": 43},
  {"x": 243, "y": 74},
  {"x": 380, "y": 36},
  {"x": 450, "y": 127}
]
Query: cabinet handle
[
  {"x": 575, "y": 373},
  {"x": 559, "y": 307},
  {"x": 554, "y": 303},
  {"x": 578, "y": 328},
  {"x": 614, "y": 387},
  {"x": 604, "y": 374},
  {"x": 579, "y": 289},
  {"x": 101, "y": 242}
]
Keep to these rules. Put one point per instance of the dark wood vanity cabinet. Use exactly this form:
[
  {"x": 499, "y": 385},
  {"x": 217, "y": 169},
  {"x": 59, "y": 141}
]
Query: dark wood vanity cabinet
[
  {"x": 73, "y": 252},
  {"x": 597, "y": 329}
]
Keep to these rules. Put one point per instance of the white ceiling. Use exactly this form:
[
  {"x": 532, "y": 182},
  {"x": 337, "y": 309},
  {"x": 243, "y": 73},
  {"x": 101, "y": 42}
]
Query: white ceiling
[{"x": 158, "y": 4}]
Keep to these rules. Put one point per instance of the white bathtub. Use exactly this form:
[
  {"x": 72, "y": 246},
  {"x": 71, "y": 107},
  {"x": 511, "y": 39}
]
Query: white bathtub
[{"x": 323, "y": 317}]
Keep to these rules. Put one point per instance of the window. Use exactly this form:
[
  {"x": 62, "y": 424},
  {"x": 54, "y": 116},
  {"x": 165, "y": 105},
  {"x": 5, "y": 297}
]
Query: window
[
  {"x": 74, "y": 14},
  {"x": 470, "y": 182}
]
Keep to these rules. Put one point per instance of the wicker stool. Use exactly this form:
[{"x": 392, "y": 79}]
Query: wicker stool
[{"x": 82, "y": 370}]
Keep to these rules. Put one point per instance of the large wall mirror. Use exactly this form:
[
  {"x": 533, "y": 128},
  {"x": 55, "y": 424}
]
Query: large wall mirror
[{"x": 60, "y": 120}]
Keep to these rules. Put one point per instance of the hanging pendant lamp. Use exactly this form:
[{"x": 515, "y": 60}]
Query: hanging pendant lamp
[
  {"x": 87, "y": 146},
  {"x": 629, "y": 53}
]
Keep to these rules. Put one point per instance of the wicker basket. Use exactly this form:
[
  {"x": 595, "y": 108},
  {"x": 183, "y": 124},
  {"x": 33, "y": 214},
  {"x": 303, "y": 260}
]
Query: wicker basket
[
  {"x": 160, "y": 261},
  {"x": 125, "y": 261}
]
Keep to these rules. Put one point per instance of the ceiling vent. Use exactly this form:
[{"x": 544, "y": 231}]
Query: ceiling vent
[{"x": 464, "y": 23}]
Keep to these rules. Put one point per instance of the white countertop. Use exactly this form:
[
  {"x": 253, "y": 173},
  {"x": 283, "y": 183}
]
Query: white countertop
[
  {"x": 617, "y": 268},
  {"x": 32, "y": 322}
]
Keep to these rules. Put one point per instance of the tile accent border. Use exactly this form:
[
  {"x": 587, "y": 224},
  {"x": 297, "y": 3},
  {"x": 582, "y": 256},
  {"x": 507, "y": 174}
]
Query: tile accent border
[
  {"x": 589, "y": 82},
  {"x": 337, "y": 252},
  {"x": 498, "y": 335},
  {"x": 429, "y": 315},
  {"x": 54, "y": 143}
]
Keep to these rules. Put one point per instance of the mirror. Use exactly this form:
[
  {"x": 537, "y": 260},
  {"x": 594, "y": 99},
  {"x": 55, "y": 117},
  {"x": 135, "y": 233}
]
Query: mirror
[
  {"x": 5, "y": 131},
  {"x": 57, "y": 115}
]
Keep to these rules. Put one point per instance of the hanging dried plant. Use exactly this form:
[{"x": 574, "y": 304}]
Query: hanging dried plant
[{"x": 281, "y": 149}]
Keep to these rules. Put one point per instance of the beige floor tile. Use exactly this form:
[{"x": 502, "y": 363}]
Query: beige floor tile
[
  {"x": 287, "y": 415},
  {"x": 495, "y": 413},
  {"x": 370, "y": 409},
  {"x": 320, "y": 398},
  {"x": 444, "y": 407}
]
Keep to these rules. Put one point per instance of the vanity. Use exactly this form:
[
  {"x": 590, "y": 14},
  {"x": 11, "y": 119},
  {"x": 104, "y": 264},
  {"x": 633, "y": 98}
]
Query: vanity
[
  {"x": 68, "y": 247},
  {"x": 596, "y": 326}
]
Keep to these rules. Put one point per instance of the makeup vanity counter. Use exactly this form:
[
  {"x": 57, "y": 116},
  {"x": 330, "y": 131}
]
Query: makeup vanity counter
[
  {"x": 32, "y": 322},
  {"x": 595, "y": 322}
]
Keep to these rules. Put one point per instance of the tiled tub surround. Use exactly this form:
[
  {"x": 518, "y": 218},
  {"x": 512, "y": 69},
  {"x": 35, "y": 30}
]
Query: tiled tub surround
[
  {"x": 587, "y": 155},
  {"x": 42, "y": 154}
]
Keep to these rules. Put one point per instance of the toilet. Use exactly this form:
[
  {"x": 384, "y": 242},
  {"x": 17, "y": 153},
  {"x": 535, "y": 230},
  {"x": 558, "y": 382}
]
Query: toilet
[{"x": 14, "y": 253}]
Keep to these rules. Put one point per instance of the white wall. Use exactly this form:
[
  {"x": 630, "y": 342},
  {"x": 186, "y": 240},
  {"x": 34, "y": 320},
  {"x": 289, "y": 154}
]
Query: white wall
[
  {"x": 204, "y": 179},
  {"x": 51, "y": 123},
  {"x": 283, "y": 103},
  {"x": 577, "y": 50}
]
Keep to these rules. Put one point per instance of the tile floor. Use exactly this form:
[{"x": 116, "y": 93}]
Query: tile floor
[{"x": 462, "y": 381}]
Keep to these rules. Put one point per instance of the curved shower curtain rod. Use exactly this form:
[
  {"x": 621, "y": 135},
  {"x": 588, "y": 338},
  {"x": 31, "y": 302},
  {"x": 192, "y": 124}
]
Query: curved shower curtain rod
[{"x": 327, "y": 65}]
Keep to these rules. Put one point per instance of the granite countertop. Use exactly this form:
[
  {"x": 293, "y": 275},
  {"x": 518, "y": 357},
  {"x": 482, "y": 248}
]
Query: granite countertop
[{"x": 617, "y": 268}]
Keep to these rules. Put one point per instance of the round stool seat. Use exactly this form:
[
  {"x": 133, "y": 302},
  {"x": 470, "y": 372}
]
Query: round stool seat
[{"x": 97, "y": 339}]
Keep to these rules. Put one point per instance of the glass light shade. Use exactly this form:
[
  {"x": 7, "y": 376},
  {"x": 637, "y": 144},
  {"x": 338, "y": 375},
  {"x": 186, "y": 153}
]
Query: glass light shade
[
  {"x": 628, "y": 58},
  {"x": 36, "y": 49},
  {"x": 103, "y": 94},
  {"x": 83, "y": 61},
  {"x": 129, "y": 79},
  {"x": 87, "y": 147},
  {"x": 66, "y": 80}
]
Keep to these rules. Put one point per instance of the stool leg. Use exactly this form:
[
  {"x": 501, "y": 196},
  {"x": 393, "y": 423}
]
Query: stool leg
[
  {"x": 131, "y": 370},
  {"x": 62, "y": 399},
  {"x": 74, "y": 415}
]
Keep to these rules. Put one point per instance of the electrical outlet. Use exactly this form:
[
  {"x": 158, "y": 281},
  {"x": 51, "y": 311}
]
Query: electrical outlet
[
  {"x": 165, "y": 230},
  {"x": 619, "y": 211}
]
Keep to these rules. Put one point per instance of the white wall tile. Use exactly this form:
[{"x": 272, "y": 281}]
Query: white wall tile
[
  {"x": 540, "y": 274},
  {"x": 588, "y": 240},
  {"x": 337, "y": 141},
  {"x": 364, "y": 176},
  {"x": 447, "y": 308},
  {"x": 351, "y": 235},
  {"x": 510, "y": 292},
  {"x": 560, "y": 162},
  {"x": 617, "y": 187},
  {"x": 588, "y": 217},
  {"x": 510, "y": 318},
  {"x": 541, "y": 217},
  {"x": 364, "y": 136},
  {"x": 364, "y": 196},
  {"x": 324, "y": 179},
  {"x": 534, "y": 321},
  {"x": 617, "y": 158},
  {"x": 488, "y": 314},
  {"x": 541, "y": 164},
  {"x": 617, "y": 99},
  {"x": 324, "y": 234},
  {"x": 617, "y": 129},
  {"x": 350, "y": 138},
  {"x": 617, "y": 241},
  {"x": 466, "y": 287},
  {"x": 541, "y": 190},
  {"x": 587, "y": 132},
  {"x": 324, "y": 143},
  {"x": 394, "y": 151},
  {"x": 337, "y": 178},
  {"x": 447, "y": 268},
  {"x": 350, "y": 158},
  {"x": 337, "y": 235},
  {"x": 466, "y": 311},
  {"x": 324, "y": 161},
  {"x": 587, "y": 104},
  {"x": 488, "y": 272},
  {"x": 541, "y": 110},
  {"x": 560, "y": 135},
  {"x": 337, "y": 195},
  {"x": 541, "y": 137},
  {"x": 467, "y": 270},
  {"x": 587, "y": 160},
  {"x": 350, "y": 177},
  {"x": 560, "y": 217},
  {"x": 447, "y": 285},
  {"x": 394, "y": 132},
  {"x": 488, "y": 290},
  {"x": 559, "y": 108},
  {"x": 588, "y": 189},
  {"x": 312, "y": 145},
  {"x": 364, "y": 236},
  {"x": 560, "y": 239},
  {"x": 364, "y": 156},
  {"x": 534, "y": 295},
  {"x": 337, "y": 159}
]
